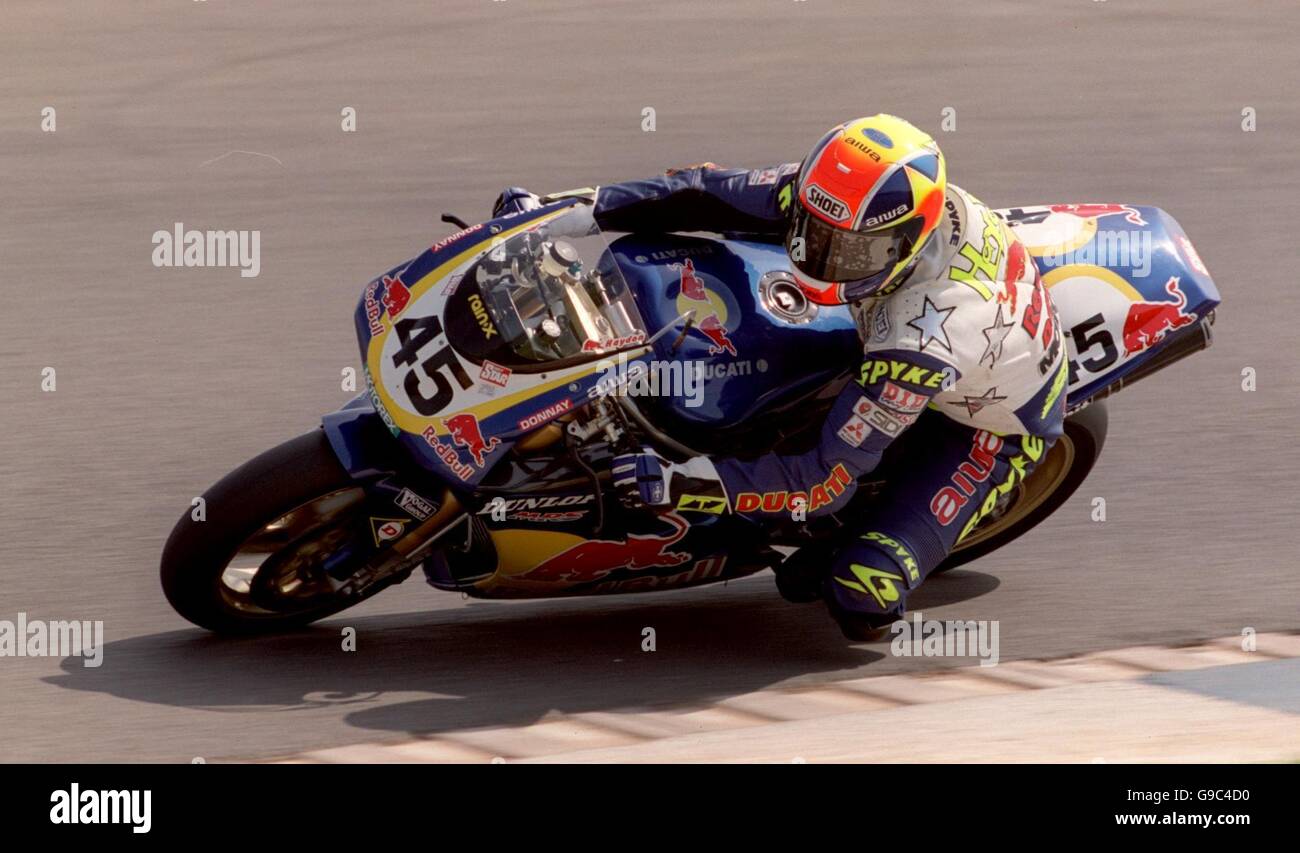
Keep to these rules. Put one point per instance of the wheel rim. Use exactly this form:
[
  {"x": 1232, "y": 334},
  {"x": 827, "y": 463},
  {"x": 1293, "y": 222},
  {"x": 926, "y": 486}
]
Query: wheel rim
[
  {"x": 280, "y": 569},
  {"x": 1027, "y": 495}
]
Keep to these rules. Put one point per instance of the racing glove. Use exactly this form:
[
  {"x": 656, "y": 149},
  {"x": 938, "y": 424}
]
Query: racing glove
[{"x": 646, "y": 481}]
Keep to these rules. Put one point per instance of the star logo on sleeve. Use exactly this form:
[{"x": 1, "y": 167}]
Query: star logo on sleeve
[
  {"x": 930, "y": 324},
  {"x": 974, "y": 405},
  {"x": 995, "y": 335}
]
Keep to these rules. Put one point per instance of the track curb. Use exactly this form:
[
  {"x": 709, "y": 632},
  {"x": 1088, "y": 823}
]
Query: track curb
[{"x": 560, "y": 734}]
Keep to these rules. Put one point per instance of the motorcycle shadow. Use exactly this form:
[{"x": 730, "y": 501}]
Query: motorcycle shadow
[{"x": 492, "y": 664}]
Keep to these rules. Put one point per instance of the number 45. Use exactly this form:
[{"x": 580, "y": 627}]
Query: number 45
[{"x": 414, "y": 335}]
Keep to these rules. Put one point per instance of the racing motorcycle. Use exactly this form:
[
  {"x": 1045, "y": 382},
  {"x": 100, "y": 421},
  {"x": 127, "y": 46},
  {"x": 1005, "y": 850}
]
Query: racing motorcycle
[{"x": 508, "y": 363}]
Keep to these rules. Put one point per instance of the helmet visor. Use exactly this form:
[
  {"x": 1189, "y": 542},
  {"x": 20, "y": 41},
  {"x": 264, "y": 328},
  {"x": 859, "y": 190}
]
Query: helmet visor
[{"x": 831, "y": 253}]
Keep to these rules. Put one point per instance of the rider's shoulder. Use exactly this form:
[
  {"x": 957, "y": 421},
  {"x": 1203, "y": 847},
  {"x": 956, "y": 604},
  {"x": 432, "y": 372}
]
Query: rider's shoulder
[
  {"x": 966, "y": 219},
  {"x": 928, "y": 316}
]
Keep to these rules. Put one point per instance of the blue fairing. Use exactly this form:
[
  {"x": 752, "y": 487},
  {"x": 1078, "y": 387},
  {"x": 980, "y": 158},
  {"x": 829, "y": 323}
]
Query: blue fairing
[
  {"x": 360, "y": 439},
  {"x": 754, "y": 357},
  {"x": 1124, "y": 285}
]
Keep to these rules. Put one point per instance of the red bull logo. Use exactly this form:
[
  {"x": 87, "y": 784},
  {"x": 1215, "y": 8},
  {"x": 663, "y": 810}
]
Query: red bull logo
[
  {"x": 1092, "y": 211},
  {"x": 1017, "y": 262},
  {"x": 465, "y": 434},
  {"x": 692, "y": 285},
  {"x": 596, "y": 558},
  {"x": 1148, "y": 322},
  {"x": 710, "y": 310},
  {"x": 396, "y": 295},
  {"x": 373, "y": 310},
  {"x": 719, "y": 342}
]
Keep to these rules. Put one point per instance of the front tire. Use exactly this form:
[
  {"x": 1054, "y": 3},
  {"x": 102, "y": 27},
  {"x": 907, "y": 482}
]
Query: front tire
[{"x": 256, "y": 562}]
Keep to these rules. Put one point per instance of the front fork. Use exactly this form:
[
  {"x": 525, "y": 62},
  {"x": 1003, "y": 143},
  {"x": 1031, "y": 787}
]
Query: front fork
[
  {"x": 395, "y": 562},
  {"x": 405, "y": 513},
  {"x": 426, "y": 509}
]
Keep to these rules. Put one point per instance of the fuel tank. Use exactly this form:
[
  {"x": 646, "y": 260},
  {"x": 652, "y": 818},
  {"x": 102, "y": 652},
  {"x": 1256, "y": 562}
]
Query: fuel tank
[{"x": 753, "y": 338}]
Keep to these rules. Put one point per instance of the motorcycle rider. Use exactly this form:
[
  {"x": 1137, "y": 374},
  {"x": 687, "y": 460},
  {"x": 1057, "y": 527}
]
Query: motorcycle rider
[{"x": 961, "y": 347}]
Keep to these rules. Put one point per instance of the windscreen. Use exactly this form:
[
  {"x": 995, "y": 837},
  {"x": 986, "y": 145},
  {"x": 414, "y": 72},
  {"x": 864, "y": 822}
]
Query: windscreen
[{"x": 545, "y": 293}]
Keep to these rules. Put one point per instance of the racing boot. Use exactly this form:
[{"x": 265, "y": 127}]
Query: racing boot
[{"x": 801, "y": 577}]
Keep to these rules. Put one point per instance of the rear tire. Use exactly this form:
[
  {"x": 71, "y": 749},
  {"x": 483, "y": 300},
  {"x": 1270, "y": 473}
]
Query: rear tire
[
  {"x": 1083, "y": 439},
  {"x": 266, "y": 497}
]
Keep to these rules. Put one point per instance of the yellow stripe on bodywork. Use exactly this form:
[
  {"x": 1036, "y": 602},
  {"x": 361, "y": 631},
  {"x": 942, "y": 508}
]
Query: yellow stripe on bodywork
[
  {"x": 1087, "y": 230},
  {"x": 1111, "y": 277}
]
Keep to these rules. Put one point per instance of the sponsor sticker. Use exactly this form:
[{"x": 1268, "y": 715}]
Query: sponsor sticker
[
  {"x": 481, "y": 316},
  {"x": 949, "y": 500},
  {"x": 816, "y": 497},
  {"x": 449, "y": 457},
  {"x": 526, "y": 507},
  {"x": 828, "y": 204},
  {"x": 447, "y": 241},
  {"x": 881, "y": 325},
  {"x": 1192, "y": 257},
  {"x": 494, "y": 374},
  {"x": 891, "y": 424},
  {"x": 549, "y": 517},
  {"x": 876, "y": 369},
  {"x": 613, "y": 343},
  {"x": 386, "y": 529},
  {"x": 374, "y": 311},
  {"x": 417, "y": 506},
  {"x": 701, "y": 503},
  {"x": 549, "y": 413},
  {"x": 881, "y": 219},
  {"x": 595, "y": 558},
  {"x": 900, "y": 399},
  {"x": 854, "y": 431},
  {"x": 465, "y": 433},
  {"x": 396, "y": 296}
]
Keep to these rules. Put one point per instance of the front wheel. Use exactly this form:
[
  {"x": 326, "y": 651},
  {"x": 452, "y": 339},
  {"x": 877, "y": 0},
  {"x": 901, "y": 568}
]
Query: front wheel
[
  {"x": 1042, "y": 493},
  {"x": 271, "y": 535}
]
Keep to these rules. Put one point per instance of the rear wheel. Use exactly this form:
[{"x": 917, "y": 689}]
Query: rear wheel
[
  {"x": 1051, "y": 484},
  {"x": 273, "y": 534}
]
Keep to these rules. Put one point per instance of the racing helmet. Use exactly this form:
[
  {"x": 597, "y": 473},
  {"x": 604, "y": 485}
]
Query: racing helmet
[{"x": 867, "y": 198}]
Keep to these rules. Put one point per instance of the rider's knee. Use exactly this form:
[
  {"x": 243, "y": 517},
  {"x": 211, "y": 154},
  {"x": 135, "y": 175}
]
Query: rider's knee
[{"x": 872, "y": 575}]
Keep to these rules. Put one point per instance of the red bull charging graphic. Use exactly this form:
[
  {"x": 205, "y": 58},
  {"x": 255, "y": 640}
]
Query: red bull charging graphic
[
  {"x": 465, "y": 434},
  {"x": 396, "y": 295},
  {"x": 596, "y": 558},
  {"x": 1148, "y": 322}
]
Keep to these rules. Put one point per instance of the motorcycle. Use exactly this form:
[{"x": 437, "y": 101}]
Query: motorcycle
[{"x": 508, "y": 363}]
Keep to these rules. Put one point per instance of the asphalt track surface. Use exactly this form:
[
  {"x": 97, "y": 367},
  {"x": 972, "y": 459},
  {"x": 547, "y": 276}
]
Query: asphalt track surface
[{"x": 166, "y": 379}]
